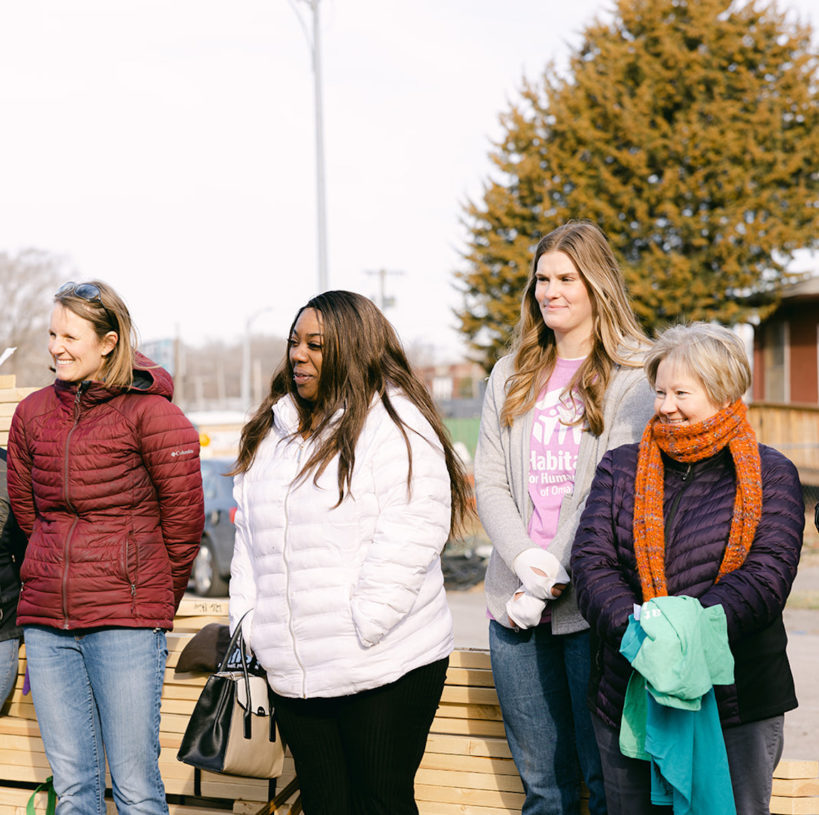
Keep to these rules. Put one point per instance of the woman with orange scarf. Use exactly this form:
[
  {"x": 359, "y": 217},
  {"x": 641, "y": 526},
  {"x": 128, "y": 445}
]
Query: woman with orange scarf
[{"x": 698, "y": 508}]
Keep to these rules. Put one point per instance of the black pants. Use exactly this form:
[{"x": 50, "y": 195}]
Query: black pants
[{"x": 358, "y": 755}]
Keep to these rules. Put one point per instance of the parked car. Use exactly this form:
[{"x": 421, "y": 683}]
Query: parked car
[{"x": 211, "y": 569}]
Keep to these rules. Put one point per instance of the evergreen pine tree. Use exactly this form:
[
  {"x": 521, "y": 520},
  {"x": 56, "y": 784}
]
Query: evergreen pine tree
[{"x": 688, "y": 130}]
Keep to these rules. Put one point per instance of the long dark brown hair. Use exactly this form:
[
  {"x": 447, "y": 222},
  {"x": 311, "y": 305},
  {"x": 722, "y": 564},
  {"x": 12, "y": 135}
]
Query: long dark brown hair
[{"x": 362, "y": 358}]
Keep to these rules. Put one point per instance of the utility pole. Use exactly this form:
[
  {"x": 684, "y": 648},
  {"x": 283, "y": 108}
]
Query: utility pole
[
  {"x": 384, "y": 301},
  {"x": 246, "y": 362},
  {"x": 314, "y": 43}
]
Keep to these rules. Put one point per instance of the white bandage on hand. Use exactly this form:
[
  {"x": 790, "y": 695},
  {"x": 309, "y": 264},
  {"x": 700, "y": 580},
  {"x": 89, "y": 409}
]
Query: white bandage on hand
[
  {"x": 524, "y": 610},
  {"x": 539, "y": 571}
]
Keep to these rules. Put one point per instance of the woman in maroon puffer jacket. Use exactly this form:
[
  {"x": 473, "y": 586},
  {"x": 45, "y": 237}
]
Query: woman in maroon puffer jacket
[
  {"x": 700, "y": 509},
  {"x": 104, "y": 480}
]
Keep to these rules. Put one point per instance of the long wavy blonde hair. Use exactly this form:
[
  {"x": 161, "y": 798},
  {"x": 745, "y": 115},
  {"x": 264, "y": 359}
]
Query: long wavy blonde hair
[{"x": 617, "y": 338}]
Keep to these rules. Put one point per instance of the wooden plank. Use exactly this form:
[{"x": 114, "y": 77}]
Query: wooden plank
[
  {"x": 469, "y": 780},
  {"x": 19, "y": 727},
  {"x": 14, "y": 395},
  {"x": 462, "y": 694},
  {"x": 478, "y": 764},
  {"x": 470, "y": 676},
  {"x": 437, "y": 808},
  {"x": 201, "y": 607},
  {"x": 190, "y": 625},
  {"x": 489, "y": 712},
  {"x": 23, "y": 773},
  {"x": 796, "y": 787},
  {"x": 470, "y": 659},
  {"x": 189, "y": 693},
  {"x": 191, "y": 680},
  {"x": 22, "y": 710},
  {"x": 466, "y": 796},
  {"x": 470, "y": 727},
  {"x": 468, "y": 746},
  {"x": 794, "y": 806},
  {"x": 790, "y": 768},
  {"x": 13, "y": 802}
]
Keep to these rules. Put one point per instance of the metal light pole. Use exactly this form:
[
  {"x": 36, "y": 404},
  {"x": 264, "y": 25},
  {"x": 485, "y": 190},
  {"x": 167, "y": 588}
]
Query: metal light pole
[{"x": 314, "y": 42}]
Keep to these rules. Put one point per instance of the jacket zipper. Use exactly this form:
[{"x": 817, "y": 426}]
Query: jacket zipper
[
  {"x": 676, "y": 502},
  {"x": 287, "y": 575},
  {"x": 128, "y": 574},
  {"x": 83, "y": 386}
]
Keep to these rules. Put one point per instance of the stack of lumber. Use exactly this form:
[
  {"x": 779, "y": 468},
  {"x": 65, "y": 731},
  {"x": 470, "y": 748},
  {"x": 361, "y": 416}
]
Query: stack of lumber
[
  {"x": 467, "y": 767},
  {"x": 22, "y": 756},
  {"x": 10, "y": 395},
  {"x": 796, "y": 788}
]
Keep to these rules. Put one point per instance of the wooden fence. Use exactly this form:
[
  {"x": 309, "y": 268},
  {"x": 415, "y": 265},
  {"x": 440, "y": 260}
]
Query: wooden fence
[{"x": 794, "y": 431}]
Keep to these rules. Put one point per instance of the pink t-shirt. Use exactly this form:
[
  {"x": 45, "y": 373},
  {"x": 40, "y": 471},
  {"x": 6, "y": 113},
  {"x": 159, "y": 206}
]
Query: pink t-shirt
[{"x": 553, "y": 450}]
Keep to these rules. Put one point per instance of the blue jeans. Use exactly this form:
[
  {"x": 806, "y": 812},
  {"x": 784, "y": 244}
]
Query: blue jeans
[
  {"x": 8, "y": 666},
  {"x": 94, "y": 694},
  {"x": 542, "y": 682}
]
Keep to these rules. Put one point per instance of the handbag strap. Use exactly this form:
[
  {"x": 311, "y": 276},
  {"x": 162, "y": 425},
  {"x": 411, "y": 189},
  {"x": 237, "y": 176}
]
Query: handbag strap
[
  {"x": 237, "y": 637},
  {"x": 51, "y": 806},
  {"x": 237, "y": 633}
]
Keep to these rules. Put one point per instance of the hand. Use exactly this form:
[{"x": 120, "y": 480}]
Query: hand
[
  {"x": 557, "y": 589},
  {"x": 524, "y": 610},
  {"x": 539, "y": 571}
]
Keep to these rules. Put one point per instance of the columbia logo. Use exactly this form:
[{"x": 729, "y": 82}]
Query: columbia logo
[{"x": 182, "y": 452}]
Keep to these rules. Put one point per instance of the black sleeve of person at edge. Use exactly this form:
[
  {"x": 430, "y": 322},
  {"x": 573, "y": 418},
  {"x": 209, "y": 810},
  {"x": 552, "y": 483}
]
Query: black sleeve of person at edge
[{"x": 12, "y": 549}]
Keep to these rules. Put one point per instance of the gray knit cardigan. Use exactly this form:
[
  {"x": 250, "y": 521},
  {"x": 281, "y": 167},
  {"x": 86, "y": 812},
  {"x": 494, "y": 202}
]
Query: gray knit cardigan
[{"x": 502, "y": 478}]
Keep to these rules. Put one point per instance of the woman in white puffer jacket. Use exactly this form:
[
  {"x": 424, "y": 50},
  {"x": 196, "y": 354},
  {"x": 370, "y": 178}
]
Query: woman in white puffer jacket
[{"x": 347, "y": 488}]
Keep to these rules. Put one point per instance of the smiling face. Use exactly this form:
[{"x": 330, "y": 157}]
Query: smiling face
[
  {"x": 680, "y": 397},
  {"x": 565, "y": 304},
  {"x": 77, "y": 351},
  {"x": 305, "y": 350}
]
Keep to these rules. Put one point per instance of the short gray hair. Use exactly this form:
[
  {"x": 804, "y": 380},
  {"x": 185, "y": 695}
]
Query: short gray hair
[{"x": 711, "y": 353}]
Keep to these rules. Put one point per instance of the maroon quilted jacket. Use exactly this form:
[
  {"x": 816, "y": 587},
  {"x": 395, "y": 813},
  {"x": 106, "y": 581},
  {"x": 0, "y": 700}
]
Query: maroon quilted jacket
[{"x": 106, "y": 485}]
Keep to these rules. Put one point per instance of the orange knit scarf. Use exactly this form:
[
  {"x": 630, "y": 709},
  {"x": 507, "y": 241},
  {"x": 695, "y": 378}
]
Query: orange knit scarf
[{"x": 689, "y": 443}]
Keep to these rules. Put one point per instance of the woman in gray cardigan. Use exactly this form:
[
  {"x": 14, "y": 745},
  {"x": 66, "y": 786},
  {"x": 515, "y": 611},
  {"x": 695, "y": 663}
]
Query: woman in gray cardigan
[{"x": 571, "y": 389}]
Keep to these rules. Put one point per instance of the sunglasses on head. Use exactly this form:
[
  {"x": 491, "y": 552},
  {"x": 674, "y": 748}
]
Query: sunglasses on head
[
  {"x": 88, "y": 292},
  {"x": 85, "y": 291}
]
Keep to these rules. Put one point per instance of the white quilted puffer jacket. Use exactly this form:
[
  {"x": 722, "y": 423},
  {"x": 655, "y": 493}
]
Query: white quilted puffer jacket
[{"x": 349, "y": 597}]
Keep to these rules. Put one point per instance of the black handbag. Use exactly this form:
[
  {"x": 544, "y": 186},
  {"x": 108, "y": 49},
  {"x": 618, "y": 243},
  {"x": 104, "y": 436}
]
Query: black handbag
[{"x": 233, "y": 726}]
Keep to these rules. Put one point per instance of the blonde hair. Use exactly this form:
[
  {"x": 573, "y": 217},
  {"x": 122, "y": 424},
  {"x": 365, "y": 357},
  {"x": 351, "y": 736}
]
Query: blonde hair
[
  {"x": 616, "y": 337},
  {"x": 107, "y": 313},
  {"x": 711, "y": 353}
]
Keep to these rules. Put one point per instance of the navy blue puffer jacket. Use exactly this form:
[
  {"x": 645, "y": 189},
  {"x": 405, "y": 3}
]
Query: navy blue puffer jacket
[{"x": 698, "y": 507}]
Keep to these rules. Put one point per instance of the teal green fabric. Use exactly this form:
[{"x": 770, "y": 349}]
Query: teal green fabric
[
  {"x": 679, "y": 650},
  {"x": 633, "y": 724},
  {"x": 682, "y": 647}
]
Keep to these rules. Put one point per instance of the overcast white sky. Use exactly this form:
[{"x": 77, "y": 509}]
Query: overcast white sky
[{"x": 167, "y": 147}]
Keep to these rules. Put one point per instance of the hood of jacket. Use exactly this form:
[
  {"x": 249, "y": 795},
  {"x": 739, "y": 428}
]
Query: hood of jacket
[{"x": 149, "y": 378}]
